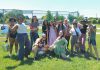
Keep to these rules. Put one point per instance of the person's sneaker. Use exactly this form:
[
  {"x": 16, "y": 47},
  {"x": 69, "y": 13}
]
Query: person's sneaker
[{"x": 68, "y": 56}]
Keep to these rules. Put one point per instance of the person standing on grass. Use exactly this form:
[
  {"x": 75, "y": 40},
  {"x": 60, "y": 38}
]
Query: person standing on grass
[
  {"x": 52, "y": 33},
  {"x": 67, "y": 31},
  {"x": 34, "y": 30},
  {"x": 92, "y": 39},
  {"x": 83, "y": 29},
  {"x": 75, "y": 33},
  {"x": 60, "y": 27},
  {"x": 22, "y": 38},
  {"x": 12, "y": 36},
  {"x": 45, "y": 29}
]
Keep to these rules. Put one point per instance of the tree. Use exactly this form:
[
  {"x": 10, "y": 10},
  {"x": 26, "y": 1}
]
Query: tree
[
  {"x": 13, "y": 13},
  {"x": 79, "y": 18},
  {"x": 49, "y": 16},
  {"x": 99, "y": 21},
  {"x": 58, "y": 17},
  {"x": 1, "y": 17},
  {"x": 61, "y": 18},
  {"x": 44, "y": 17},
  {"x": 71, "y": 18},
  {"x": 94, "y": 21}
]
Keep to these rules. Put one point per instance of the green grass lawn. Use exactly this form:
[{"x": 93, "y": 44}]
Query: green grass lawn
[
  {"x": 98, "y": 25},
  {"x": 98, "y": 30},
  {"x": 75, "y": 63}
]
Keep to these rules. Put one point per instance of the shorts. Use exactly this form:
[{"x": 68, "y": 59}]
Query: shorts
[
  {"x": 13, "y": 35},
  {"x": 92, "y": 42},
  {"x": 73, "y": 40}
]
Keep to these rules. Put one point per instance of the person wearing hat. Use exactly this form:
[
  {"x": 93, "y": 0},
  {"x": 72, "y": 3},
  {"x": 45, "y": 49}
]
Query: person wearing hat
[
  {"x": 83, "y": 30},
  {"x": 22, "y": 38},
  {"x": 40, "y": 47},
  {"x": 12, "y": 36},
  {"x": 75, "y": 35}
]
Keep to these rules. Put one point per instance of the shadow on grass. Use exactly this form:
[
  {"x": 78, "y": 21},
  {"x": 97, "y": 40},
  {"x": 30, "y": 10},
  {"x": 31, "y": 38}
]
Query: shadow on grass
[
  {"x": 13, "y": 57},
  {"x": 29, "y": 61},
  {"x": 11, "y": 67}
]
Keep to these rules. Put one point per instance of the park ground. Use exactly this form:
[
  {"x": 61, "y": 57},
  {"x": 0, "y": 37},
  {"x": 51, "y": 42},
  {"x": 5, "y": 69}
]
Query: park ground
[{"x": 75, "y": 63}]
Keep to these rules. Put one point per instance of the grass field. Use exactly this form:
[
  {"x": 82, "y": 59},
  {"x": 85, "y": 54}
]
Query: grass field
[{"x": 75, "y": 63}]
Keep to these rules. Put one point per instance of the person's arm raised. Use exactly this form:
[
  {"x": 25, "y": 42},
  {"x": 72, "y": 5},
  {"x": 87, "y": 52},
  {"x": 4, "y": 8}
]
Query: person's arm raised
[{"x": 14, "y": 28}]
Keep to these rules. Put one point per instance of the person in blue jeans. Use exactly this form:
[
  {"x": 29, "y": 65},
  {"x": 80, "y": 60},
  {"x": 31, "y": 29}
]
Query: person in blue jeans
[
  {"x": 22, "y": 38},
  {"x": 34, "y": 30}
]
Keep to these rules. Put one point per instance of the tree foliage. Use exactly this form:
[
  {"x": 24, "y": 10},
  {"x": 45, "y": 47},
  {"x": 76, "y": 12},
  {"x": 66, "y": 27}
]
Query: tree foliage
[
  {"x": 49, "y": 16},
  {"x": 71, "y": 18},
  {"x": 13, "y": 13}
]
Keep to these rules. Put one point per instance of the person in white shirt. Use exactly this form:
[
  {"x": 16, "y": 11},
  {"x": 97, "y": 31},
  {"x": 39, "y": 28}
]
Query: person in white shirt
[
  {"x": 75, "y": 33},
  {"x": 22, "y": 38}
]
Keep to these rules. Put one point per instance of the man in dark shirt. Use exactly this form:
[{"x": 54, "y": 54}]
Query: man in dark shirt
[{"x": 83, "y": 36}]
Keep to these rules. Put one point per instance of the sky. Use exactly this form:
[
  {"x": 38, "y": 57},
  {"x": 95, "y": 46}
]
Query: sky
[{"x": 87, "y": 8}]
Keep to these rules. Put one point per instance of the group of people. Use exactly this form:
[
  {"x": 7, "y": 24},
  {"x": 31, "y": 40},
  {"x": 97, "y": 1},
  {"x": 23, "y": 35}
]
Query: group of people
[{"x": 54, "y": 40}]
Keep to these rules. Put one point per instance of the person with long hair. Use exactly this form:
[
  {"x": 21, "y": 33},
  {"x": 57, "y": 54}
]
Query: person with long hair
[
  {"x": 12, "y": 36},
  {"x": 52, "y": 33},
  {"x": 45, "y": 29},
  {"x": 60, "y": 27},
  {"x": 67, "y": 31},
  {"x": 34, "y": 30},
  {"x": 75, "y": 35}
]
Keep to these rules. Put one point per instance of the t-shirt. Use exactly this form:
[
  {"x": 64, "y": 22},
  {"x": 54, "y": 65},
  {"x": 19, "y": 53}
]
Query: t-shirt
[
  {"x": 60, "y": 28},
  {"x": 34, "y": 25},
  {"x": 73, "y": 32},
  {"x": 22, "y": 28},
  {"x": 84, "y": 29}
]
